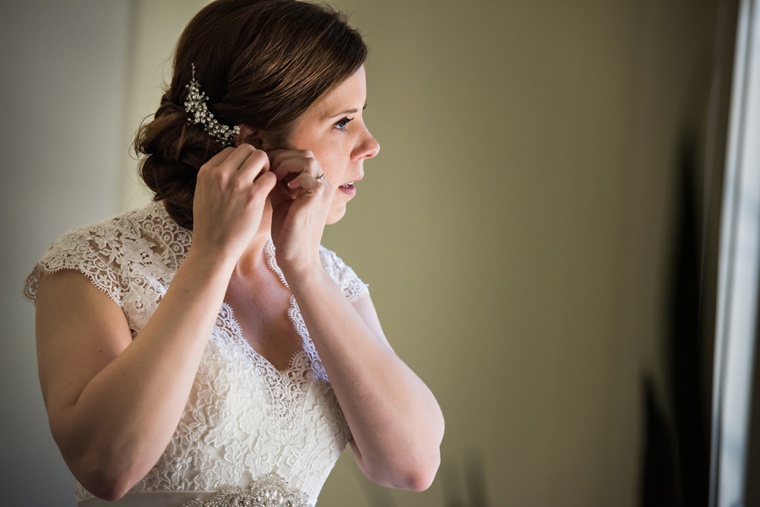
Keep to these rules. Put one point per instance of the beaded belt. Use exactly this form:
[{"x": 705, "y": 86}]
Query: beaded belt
[{"x": 270, "y": 490}]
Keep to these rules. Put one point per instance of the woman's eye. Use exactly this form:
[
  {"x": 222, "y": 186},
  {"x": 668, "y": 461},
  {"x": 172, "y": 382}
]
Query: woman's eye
[{"x": 342, "y": 124}]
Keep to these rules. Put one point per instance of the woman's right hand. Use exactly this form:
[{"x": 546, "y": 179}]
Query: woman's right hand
[
  {"x": 113, "y": 400},
  {"x": 230, "y": 195}
]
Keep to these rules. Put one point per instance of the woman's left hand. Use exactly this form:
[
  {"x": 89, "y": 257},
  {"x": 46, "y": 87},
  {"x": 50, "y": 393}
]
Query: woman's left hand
[
  {"x": 396, "y": 423},
  {"x": 301, "y": 202}
]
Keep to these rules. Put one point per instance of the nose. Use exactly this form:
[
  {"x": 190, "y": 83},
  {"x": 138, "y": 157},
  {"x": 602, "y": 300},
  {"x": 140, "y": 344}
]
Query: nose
[{"x": 368, "y": 147}]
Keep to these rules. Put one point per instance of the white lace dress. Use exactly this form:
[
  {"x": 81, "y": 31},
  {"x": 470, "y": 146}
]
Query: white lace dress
[{"x": 249, "y": 431}]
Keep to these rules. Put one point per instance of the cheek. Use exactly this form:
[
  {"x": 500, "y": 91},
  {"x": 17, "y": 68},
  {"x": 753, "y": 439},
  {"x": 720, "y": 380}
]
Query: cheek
[
  {"x": 331, "y": 166},
  {"x": 331, "y": 153}
]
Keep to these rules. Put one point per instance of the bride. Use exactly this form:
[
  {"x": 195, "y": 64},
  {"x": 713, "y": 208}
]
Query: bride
[{"x": 206, "y": 349}]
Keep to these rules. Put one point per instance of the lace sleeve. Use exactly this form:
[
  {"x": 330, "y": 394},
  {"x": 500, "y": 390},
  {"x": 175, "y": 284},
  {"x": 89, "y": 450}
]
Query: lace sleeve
[
  {"x": 93, "y": 251},
  {"x": 343, "y": 275}
]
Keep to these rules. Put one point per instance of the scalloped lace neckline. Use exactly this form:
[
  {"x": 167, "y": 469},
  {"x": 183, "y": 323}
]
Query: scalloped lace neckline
[
  {"x": 256, "y": 356},
  {"x": 299, "y": 360}
]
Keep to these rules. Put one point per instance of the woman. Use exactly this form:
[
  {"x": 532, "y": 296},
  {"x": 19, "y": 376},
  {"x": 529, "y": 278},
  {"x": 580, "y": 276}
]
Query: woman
[{"x": 206, "y": 349}]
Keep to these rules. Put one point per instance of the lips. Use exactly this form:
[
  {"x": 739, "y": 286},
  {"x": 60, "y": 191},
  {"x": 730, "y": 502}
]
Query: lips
[{"x": 349, "y": 188}]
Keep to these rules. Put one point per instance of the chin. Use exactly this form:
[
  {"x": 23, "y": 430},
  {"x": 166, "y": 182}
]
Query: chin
[{"x": 335, "y": 215}]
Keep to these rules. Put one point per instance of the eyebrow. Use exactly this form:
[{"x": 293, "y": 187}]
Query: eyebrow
[{"x": 344, "y": 113}]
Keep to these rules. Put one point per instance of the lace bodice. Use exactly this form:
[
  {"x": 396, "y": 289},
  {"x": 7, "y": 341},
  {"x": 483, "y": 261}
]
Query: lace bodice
[{"x": 244, "y": 419}]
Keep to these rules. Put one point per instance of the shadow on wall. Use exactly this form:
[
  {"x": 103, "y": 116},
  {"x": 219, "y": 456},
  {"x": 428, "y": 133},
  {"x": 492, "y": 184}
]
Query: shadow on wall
[
  {"x": 463, "y": 483},
  {"x": 676, "y": 467}
]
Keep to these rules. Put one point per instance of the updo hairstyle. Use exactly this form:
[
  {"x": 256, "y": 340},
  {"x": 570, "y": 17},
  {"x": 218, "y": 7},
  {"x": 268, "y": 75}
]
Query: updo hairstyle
[{"x": 262, "y": 63}]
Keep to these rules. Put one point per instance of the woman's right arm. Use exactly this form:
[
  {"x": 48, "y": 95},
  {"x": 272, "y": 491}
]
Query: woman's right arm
[{"x": 113, "y": 402}]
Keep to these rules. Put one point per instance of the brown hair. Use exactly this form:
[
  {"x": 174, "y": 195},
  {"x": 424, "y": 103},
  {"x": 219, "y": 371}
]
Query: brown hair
[{"x": 262, "y": 63}]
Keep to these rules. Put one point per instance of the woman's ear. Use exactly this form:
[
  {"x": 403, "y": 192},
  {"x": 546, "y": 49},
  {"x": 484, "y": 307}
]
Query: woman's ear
[{"x": 250, "y": 135}]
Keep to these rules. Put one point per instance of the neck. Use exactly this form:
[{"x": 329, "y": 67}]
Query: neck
[{"x": 253, "y": 257}]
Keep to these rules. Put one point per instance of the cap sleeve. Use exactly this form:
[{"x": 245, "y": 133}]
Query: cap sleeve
[
  {"x": 343, "y": 275},
  {"x": 94, "y": 251}
]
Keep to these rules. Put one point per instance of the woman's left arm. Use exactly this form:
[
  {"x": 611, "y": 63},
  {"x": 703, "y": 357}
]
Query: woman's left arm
[{"x": 395, "y": 420}]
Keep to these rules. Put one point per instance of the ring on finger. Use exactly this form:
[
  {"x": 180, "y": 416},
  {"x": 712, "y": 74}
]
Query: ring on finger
[{"x": 320, "y": 177}]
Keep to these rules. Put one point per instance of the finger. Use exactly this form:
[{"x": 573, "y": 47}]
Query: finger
[
  {"x": 230, "y": 155},
  {"x": 264, "y": 182},
  {"x": 252, "y": 166},
  {"x": 306, "y": 174},
  {"x": 305, "y": 183},
  {"x": 219, "y": 158},
  {"x": 287, "y": 173},
  {"x": 286, "y": 163},
  {"x": 279, "y": 155}
]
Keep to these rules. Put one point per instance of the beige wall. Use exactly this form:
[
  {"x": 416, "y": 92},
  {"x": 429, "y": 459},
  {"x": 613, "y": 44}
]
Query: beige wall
[{"x": 515, "y": 228}]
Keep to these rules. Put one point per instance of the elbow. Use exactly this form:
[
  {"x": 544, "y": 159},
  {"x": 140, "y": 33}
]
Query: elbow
[
  {"x": 105, "y": 488},
  {"x": 105, "y": 476},
  {"x": 408, "y": 472},
  {"x": 416, "y": 476},
  {"x": 105, "y": 466},
  {"x": 421, "y": 477},
  {"x": 411, "y": 467},
  {"x": 422, "y": 471}
]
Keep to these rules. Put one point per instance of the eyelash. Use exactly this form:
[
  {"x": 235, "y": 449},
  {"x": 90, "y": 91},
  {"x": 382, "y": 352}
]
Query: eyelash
[{"x": 342, "y": 124}]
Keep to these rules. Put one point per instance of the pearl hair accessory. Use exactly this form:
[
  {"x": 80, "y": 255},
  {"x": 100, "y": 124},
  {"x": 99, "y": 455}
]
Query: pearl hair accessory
[{"x": 197, "y": 109}]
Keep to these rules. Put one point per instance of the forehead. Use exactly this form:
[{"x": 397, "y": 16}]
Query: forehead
[{"x": 350, "y": 94}]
